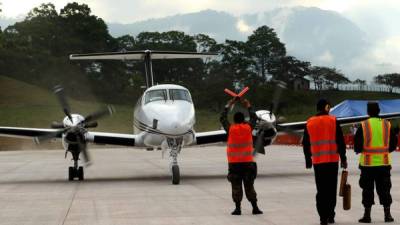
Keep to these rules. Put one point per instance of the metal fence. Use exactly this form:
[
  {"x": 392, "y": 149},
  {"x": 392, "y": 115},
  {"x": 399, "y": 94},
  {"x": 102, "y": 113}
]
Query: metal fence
[{"x": 353, "y": 87}]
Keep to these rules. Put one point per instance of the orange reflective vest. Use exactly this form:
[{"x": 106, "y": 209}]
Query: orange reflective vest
[
  {"x": 322, "y": 132},
  {"x": 376, "y": 134},
  {"x": 240, "y": 143}
]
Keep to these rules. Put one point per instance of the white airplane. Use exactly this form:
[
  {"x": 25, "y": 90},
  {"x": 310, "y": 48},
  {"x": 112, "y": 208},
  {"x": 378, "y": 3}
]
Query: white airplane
[{"x": 164, "y": 117}]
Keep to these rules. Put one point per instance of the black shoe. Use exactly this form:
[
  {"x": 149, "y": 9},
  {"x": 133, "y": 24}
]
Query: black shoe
[
  {"x": 389, "y": 219},
  {"x": 365, "y": 220},
  {"x": 236, "y": 212},
  {"x": 331, "y": 220},
  {"x": 388, "y": 216},
  {"x": 257, "y": 211},
  {"x": 367, "y": 216},
  {"x": 324, "y": 223}
]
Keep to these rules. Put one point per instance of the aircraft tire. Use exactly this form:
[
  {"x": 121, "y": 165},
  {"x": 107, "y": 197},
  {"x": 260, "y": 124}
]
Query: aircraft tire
[
  {"x": 175, "y": 175},
  {"x": 71, "y": 173},
  {"x": 80, "y": 173}
]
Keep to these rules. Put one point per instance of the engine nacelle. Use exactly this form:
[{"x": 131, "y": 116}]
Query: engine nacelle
[
  {"x": 265, "y": 131},
  {"x": 74, "y": 121}
]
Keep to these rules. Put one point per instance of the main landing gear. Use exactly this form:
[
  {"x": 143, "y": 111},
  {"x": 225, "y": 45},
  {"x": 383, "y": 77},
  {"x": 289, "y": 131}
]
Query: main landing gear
[{"x": 175, "y": 145}]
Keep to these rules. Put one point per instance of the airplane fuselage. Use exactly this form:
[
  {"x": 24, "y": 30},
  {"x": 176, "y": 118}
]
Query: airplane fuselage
[{"x": 164, "y": 112}]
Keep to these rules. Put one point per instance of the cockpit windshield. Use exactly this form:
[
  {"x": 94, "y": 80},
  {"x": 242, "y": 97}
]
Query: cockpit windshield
[
  {"x": 156, "y": 95},
  {"x": 179, "y": 94}
]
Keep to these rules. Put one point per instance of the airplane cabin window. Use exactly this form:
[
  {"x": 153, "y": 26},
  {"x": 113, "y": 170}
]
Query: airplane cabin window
[
  {"x": 179, "y": 94},
  {"x": 156, "y": 95}
]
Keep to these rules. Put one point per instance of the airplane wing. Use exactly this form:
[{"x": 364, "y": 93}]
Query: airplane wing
[
  {"x": 299, "y": 126},
  {"x": 111, "y": 138},
  {"x": 140, "y": 55},
  {"x": 210, "y": 137},
  {"x": 94, "y": 137},
  {"x": 21, "y": 132}
]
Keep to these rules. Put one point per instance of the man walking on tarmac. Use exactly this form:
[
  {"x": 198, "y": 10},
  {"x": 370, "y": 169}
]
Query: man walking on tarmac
[
  {"x": 323, "y": 143},
  {"x": 375, "y": 140},
  {"x": 242, "y": 167}
]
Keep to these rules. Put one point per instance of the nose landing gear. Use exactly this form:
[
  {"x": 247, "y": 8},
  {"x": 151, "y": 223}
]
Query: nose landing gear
[
  {"x": 75, "y": 171},
  {"x": 175, "y": 146}
]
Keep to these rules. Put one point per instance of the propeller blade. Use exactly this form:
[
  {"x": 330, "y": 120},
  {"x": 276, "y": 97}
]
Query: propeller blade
[
  {"x": 277, "y": 95},
  {"x": 91, "y": 124},
  {"x": 99, "y": 114},
  {"x": 259, "y": 145},
  {"x": 84, "y": 150},
  {"x": 57, "y": 125},
  {"x": 59, "y": 91},
  {"x": 49, "y": 136}
]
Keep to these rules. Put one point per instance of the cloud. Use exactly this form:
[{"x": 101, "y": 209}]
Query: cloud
[
  {"x": 243, "y": 27},
  {"x": 325, "y": 58}
]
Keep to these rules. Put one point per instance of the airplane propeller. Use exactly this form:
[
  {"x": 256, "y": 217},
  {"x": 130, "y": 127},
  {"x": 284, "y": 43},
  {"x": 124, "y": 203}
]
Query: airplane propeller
[
  {"x": 280, "y": 85},
  {"x": 264, "y": 128},
  {"x": 74, "y": 129},
  {"x": 59, "y": 91}
]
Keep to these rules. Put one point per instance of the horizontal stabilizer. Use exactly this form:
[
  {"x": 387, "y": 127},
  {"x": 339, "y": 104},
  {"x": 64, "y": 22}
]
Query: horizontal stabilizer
[{"x": 140, "y": 55}]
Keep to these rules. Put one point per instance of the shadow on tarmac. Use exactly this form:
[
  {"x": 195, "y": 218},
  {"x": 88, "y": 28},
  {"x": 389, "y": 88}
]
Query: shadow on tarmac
[{"x": 165, "y": 178}]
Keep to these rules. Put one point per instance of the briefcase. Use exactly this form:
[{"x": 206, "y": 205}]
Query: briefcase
[
  {"x": 347, "y": 197},
  {"x": 343, "y": 182}
]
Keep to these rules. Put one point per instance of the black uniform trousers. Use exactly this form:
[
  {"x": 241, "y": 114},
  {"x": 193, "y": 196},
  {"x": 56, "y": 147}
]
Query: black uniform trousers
[
  {"x": 380, "y": 176},
  {"x": 243, "y": 174},
  {"x": 326, "y": 178}
]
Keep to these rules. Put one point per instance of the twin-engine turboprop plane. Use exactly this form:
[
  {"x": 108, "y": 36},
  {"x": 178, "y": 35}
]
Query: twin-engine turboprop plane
[{"x": 164, "y": 117}]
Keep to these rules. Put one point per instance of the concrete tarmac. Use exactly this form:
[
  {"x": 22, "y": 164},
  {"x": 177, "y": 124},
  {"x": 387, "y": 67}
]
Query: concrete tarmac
[{"x": 130, "y": 186}]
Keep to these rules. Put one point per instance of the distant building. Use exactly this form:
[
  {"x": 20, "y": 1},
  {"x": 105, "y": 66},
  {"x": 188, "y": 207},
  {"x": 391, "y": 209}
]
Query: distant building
[{"x": 300, "y": 83}]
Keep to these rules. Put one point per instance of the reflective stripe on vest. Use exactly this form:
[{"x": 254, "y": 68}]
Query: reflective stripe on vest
[
  {"x": 375, "y": 152},
  {"x": 322, "y": 132},
  {"x": 240, "y": 144}
]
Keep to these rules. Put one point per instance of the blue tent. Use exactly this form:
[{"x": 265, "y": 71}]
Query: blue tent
[{"x": 350, "y": 108}]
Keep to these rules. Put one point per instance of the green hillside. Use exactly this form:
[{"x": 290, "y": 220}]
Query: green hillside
[{"x": 25, "y": 105}]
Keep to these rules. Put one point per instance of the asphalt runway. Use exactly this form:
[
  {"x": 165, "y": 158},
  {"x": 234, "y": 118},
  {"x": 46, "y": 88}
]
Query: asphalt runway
[{"x": 130, "y": 186}]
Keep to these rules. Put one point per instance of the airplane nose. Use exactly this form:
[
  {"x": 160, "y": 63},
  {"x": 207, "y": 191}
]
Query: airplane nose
[
  {"x": 178, "y": 127},
  {"x": 176, "y": 119}
]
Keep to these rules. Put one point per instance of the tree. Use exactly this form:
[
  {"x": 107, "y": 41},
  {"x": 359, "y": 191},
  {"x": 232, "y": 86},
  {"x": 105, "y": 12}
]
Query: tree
[
  {"x": 336, "y": 77},
  {"x": 237, "y": 63},
  {"x": 360, "y": 83},
  {"x": 264, "y": 47},
  {"x": 83, "y": 32},
  {"x": 392, "y": 80},
  {"x": 205, "y": 43},
  {"x": 288, "y": 67},
  {"x": 328, "y": 76},
  {"x": 38, "y": 32},
  {"x": 126, "y": 42},
  {"x": 317, "y": 75}
]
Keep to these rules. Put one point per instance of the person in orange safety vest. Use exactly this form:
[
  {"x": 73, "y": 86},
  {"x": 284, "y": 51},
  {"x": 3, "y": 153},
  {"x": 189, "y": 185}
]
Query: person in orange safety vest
[
  {"x": 323, "y": 145},
  {"x": 242, "y": 167}
]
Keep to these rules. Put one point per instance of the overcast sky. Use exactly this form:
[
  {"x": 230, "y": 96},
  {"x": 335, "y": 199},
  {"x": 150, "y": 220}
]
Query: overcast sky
[
  {"x": 127, "y": 11},
  {"x": 377, "y": 18}
]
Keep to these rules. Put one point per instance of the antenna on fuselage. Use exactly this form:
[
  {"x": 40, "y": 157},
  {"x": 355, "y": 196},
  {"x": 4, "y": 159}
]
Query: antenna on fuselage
[{"x": 146, "y": 55}]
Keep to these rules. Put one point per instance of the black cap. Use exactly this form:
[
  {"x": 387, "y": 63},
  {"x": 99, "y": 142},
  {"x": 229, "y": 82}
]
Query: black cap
[
  {"x": 321, "y": 104},
  {"x": 238, "y": 117},
  {"x": 373, "y": 109}
]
